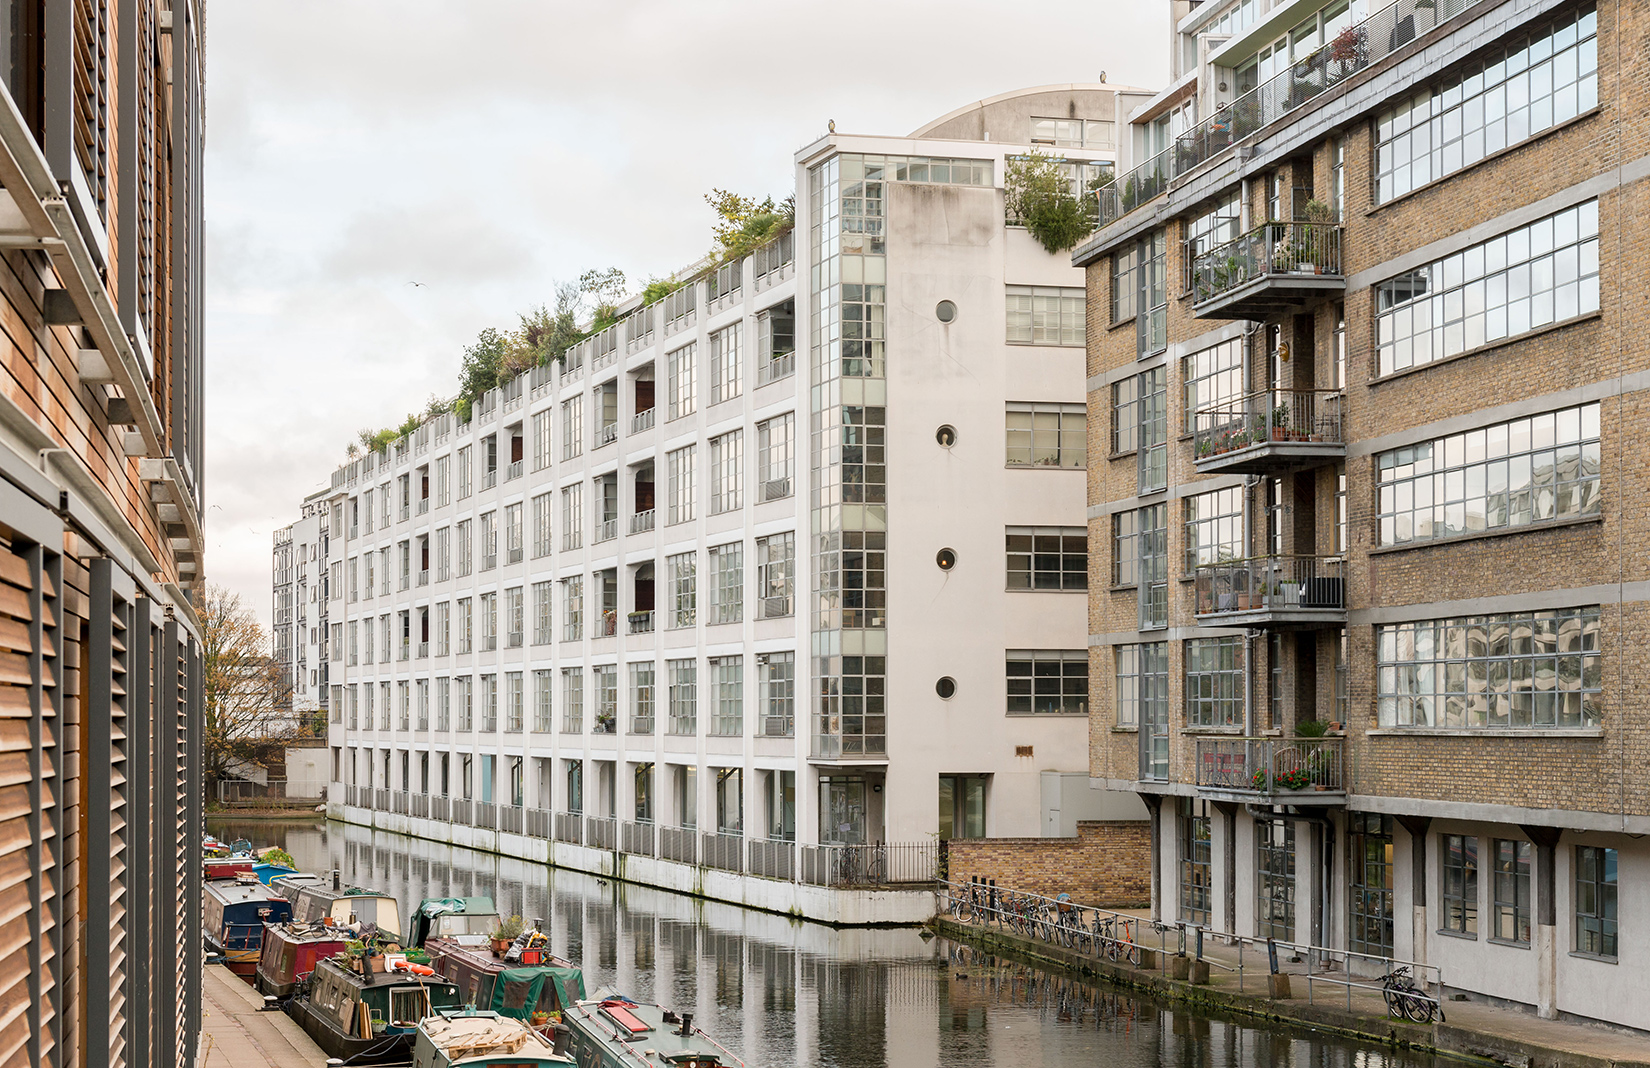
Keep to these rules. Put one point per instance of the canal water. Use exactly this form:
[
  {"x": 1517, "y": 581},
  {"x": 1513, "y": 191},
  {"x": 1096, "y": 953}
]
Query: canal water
[{"x": 787, "y": 993}]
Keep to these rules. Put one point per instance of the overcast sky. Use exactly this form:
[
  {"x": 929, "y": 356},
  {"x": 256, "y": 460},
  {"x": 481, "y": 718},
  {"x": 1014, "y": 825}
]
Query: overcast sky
[{"x": 487, "y": 148}]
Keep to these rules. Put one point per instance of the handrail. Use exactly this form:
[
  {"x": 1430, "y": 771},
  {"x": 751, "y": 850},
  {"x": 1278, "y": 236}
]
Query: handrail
[
  {"x": 1272, "y": 248},
  {"x": 1278, "y": 581},
  {"x": 1308, "y": 415}
]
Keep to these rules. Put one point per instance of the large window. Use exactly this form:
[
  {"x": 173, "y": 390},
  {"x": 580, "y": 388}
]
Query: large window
[
  {"x": 727, "y": 583},
  {"x": 1520, "y": 90},
  {"x": 1047, "y": 435},
  {"x": 1522, "y": 670},
  {"x": 775, "y": 575},
  {"x": 724, "y": 363},
  {"x": 541, "y": 613},
  {"x": 680, "y": 469},
  {"x": 572, "y": 701},
  {"x": 541, "y": 525},
  {"x": 572, "y": 516},
  {"x": 1217, "y": 224},
  {"x": 1511, "y": 892},
  {"x": 1048, "y": 558},
  {"x": 1044, "y": 315},
  {"x": 680, "y": 398},
  {"x": 543, "y": 681},
  {"x": 1125, "y": 283},
  {"x": 1153, "y": 454},
  {"x": 1196, "y": 856},
  {"x": 684, "y": 696},
  {"x": 776, "y": 457},
  {"x": 681, "y": 571},
  {"x": 1214, "y": 682},
  {"x": 776, "y": 684},
  {"x": 1125, "y": 415},
  {"x": 642, "y": 697},
  {"x": 1048, "y": 682},
  {"x": 1153, "y": 567},
  {"x": 1142, "y": 677},
  {"x": 1533, "y": 470},
  {"x": 726, "y": 478},
  {"x": 1214, "y": 527},
  {"x": 1274, "y": 879},
  {"x": 572, "y": 427},
  {"x": 1213, "y": 376},
  {"x": 1595, "y": 901},
  {"x": 1152, "y": 323},
  {"x": 1542, "y": 273},
  {"x": 1369, "y": 898},
  {"x": 727, "y": 678},
  {"x": 572, "y": 593},
  {"x": 962, "y": 806},
  {"x": 1459, "y": 871},
  {"x": 1125, "y": 548}
]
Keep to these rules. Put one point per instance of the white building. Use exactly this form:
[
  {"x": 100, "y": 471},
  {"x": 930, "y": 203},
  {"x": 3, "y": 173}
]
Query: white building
[
  {"x": 796, "y": 552},
  {"x": 298, "y": 627}
]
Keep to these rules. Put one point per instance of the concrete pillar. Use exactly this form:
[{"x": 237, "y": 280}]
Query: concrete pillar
[
  {"x": 1154, "y": 807},
  {"x": 1544, "y": 938},
  {"x": 1417, "y": 828},
  {"x": 1228, "y": 864}
]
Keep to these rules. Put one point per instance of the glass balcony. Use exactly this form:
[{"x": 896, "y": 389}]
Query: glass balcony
[
  {"x": 1270, "y": 431},
  {"x": 1293, "y": 771},
  {"x": 1275, "y": 267},
  {"x": 1296, "y": 591}
]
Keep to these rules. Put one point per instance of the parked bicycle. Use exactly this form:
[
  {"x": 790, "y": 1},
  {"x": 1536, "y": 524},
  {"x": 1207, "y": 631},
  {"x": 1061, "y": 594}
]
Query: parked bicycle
[{"x": 1405, "y": 1000}]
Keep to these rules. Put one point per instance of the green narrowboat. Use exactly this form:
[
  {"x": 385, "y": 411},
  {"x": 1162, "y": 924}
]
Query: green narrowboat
[
  {"x": 518, "y": 990},
  {"x": 611, "y": 1031},
  {"x": 369, "y": 1018},
  {"x": 466, "y": 920},
  {"x": 463, "y": 1039}
]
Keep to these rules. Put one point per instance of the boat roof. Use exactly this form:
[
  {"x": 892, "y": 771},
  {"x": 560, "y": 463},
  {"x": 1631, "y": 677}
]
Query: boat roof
[
  {"x": 397, "y": 978},
  {"x": 324, "y": 894},
  {"x": 470, "y": 905},
  {"x": 634, "y": 1031},
  {"x": 486, "y": 962},
  {"x": 306, "y": 932},
  {"x": 472, "y": 1034},
  {"x": 231, "y": 893}
]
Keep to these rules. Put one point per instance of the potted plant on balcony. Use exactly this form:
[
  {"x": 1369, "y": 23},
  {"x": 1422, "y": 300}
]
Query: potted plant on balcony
[
  {"x": 1280, "y": 423},
  {"x": 1205, "y": 448}
]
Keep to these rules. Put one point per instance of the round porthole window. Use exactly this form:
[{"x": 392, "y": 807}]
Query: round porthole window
[
  {"x": 945, "y": 311},
  {"x": 946, "y": 687},
  {"x": 946, "y": 558},
  {"x": 946, "y": 435}
]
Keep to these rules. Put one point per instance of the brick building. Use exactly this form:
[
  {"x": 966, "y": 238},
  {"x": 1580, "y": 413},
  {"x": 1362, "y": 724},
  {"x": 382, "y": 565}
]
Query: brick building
[
  {"x": 100, "y": 539},
  {"x": 1367, "y": 586}
]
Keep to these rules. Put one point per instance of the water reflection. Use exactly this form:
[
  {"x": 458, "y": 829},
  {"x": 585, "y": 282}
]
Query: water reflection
[{"x": 784, "y": 992}]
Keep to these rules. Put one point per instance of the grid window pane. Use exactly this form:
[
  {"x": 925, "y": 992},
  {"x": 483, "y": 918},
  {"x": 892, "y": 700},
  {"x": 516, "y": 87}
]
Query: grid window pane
[
  {"x": 1196, "y": 860},
  {"x": 1512, "y": 892},
  {"x": 727, "y": 577},
  {"x": 1595, "y": 901},
  {"x": 1043, "y": 315},
  {"x": 1047, "y": 558},
  {"x": 1214, "y": 682},
  {"x": 1459, "y": 875},
  {"x": 683, "y": 696},
  {"x": 1047, "y": 435},
  {"x": 1048, "y": 682},
  {"x": 1214, "y": 527},
  {"x": 1213, "y": 377}
]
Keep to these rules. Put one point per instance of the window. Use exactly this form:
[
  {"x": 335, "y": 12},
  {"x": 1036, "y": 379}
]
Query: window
[
  {"x": 489, "y": 704},
  {"x": 1512, "y": 671},
  {"x": 488, "y": 607},
  {"x": 1459, "y": 872},
  {"x": 680, "y": 467},
  {"x": 775, "y": 574},
  {"x": 1125, "y": 548},
  {"x": 1595, "y": 901},
  {"x": 1275, "y": 879},
  {"x": 727, "y": 583},
  {"x": 541, "y": 440},
  {"x": 543, "y": 682},
  {"x": 1217, "y": 225},
  {"x": 1542, "y": 273},
  {"x": 443, "y": 628},
  {"x": 681, "y": 572},
  {"x": 366, "y": 512},
  {"x": 726, "y": 453},
  {"x": 572, "y": 700},
  {"x": 1533, "y": 470},
  {"x": 1048, "y": 558},
  {"x": 1195, "y": 860},
  {"x": 465, "y": 625},
  {"x": 684, "y": 696},
  {"x": 1125, "y": 284},
  {"x": 679, "y": 392},
  {"x": 572, "y": 427},
  {"x": 369, "y": 559},
  {"x": 541, "y": 613},
  {"x": 962, "y": 806},
  {"x": 466, "y": 472},
  {"x": 443, "y": 705},
  {"x": 512, "y": 533},
  {"x": 604, "y": 679},
  {"x": 1152, "y": 322},
  {"x": 1142, "y": 677},
  {"x": 1153, "y": 439},
  {"x": 1517, "y": 92},
  {"x": 403, "y": 704},
  {"x": 1511, "y": 892},
  {"x": 1370, "y": 899},
  {"x": 727, "y": 675},
  {"x": 776, "y": 457},
  {"x": 1340, "y": 509},
  {"x": 466, "y": 561},
  {"x": 641, "y": 698},
  {"x": 1214, "y": 379},
  {"x": 572, "y": 516},
  {"x": 776, "y": 685},
  {"x": 1214, "y": 682},
  {"x": 1153, "y": 566},
  {"x": 1048, "y": 682},
  {"x": 1044, "y": 315},
  {"x": 1214, "y": 527},
  {"x": 851, "y": 713},
  {"x": 515, "y": 621},
  {"x": 443, "y": 554},
  {"x": 541, "y": 525},
  {"x": 465, "y": 699},
  {"x": 489, "y": 540},
  {"x": 572, "y": 599},
  {"x": 1047, "y": 435},
  {"x": 724, "y": 364},
  {"x": 1065, "y": 133}
]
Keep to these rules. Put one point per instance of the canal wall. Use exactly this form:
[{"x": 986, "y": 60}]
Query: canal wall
[
  {"x": 1108, "y": 863},
  {"x": 821, "y": 904}
]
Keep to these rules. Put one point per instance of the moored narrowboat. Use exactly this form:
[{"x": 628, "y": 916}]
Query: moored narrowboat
[
  {"x": 510, "y": 989},
  {"x": 347, "y": 908},
  {"x": 612, "y": 1031},
  {"x": 233, "y": 918},
  {"x": 455, "y": 1039},
  {"x": 465, "y": 920},
  {"x": 369, "y": 1018},
  {"x": 290, "y": 953},
  {"x": 226, "y": 867}
]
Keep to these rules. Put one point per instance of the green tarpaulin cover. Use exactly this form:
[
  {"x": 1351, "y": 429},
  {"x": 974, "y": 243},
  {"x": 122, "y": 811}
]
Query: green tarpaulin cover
[{"x": 517, "y": 991}]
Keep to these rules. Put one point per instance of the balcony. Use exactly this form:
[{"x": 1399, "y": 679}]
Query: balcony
[
  {"x": 424, "y": 577},
  {"x": 423, "y": 505},
  {"x": 1133, "y": 189},
  {"x": 514, "y": 471},
  {"x": 641, "y": 522},
  {"x": 1298, "y": 592},
  {"x": 423, "y": 650},
  {"x": 776, "y": 367},
  {"x": 641, "y": 622},
  {"x": 490, "y": 479},
  {"x": 641, "y": 421},
  {"x": 1276, "y": 267},
  {"x": 1290, "y": 771},
  {"x": 607, "y": 434},
  {"x": 607, "y": 530},
  {"x": 1269, "y": 432}
]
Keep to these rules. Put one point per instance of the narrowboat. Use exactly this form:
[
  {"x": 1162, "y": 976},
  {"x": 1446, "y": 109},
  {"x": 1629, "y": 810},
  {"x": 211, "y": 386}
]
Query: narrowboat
[
  {"x": 480, "y": 1038},
  {"x": 233, "y": 918},
  {"x": 290, "y": 885},
  {"x": 347, "y": 908},
  {"x": 611, "y": 1031},
  {"x": 227, "y": 867},
  {"x": 510, "y": 989},
  {"x": 290, "y": 953},
  {"x": 369, "y": 1018},
  {"x": 468, "y": 921},
  {"x": 267, "y": 873}
]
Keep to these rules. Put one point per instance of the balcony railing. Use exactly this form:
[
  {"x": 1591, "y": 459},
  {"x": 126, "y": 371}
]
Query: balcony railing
[
  {"x": 1272, "y": 428},
  {"x": 636, "y": 837},
  {"x": 570, "y": 827},
  {"x": 775, "y": 368},
  {"x": 423, "y": 505},
  {"x": 601, "y": 832},
  {"x": 775, "y": 860},
  {"x": 1274, "y": 266},
  {"x": 870, "y": 864},
  {"x": 641, "y": 421},
  {"x": 607, "y": 624},
  {"x": 641, "y": 622},
  {"x": 725, "y": 851},
  {"x": 1271, "y": 766},
  {"x": 1134, "y": 188},
  {"x": 607, "y": 530},
  {"x": 490, "y": 479},
  {"x": 1286, "y": 586},
  {"x": 641, "y": 522},
  {"x": 679, "y": 843},
  {"x": 424, "y": 577},
  {"x": 607, "y": 434},
  {"x": 423, "y": 650},
  {"x": 514, "y": 471}
]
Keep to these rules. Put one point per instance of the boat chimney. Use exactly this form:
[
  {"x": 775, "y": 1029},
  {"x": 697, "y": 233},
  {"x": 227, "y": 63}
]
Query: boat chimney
[
  {"x": 336, "y": 884},
  {"x": 687, "y": 1025}
]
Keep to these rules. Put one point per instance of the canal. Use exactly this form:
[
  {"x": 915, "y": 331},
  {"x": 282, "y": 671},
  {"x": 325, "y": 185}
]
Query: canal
[{"x": 783, "y": 992}]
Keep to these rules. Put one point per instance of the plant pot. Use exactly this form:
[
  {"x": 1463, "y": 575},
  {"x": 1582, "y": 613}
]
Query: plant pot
[
  {"x": 1320, "y": 787},
  {"x": 1306, "y": 268},
  {"x": 500, "y": 945},
  {"x": 1279, "y": 434}
]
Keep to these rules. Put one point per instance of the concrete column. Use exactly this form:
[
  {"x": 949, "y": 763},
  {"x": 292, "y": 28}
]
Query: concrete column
[
  {"x": 1154, "y": 806},
  {"x": 1228, "y": 864},
  {"x": 1545, "y": 936},
  {"x": 1417, "y": 828}
]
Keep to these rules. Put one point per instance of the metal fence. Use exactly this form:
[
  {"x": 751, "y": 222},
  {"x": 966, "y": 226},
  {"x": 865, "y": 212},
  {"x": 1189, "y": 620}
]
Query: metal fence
[
  {"x": 486, "y": 815},
  {"x": 870, "y": 864},
  {"x": 636, "y": 838},
  {"x": 724, "y": 851},
  {"x": 511, "y": 819},
  {"x": 601, "y": 832},
  {"x": 1270, "y": 249},
  {"x": 461, "y": 810},
  {"x": 1265, "y": 416},
  {"x": 1270, "y": 583},
  {"x": 244, "y": 792},
  {"x": 679, "y": 844},
  {"x": 570, "y": 827},
  {"x": 541, "y": 822},
  {"x": 775, "y": 860},
  {"x": 1272, "y": 765}
]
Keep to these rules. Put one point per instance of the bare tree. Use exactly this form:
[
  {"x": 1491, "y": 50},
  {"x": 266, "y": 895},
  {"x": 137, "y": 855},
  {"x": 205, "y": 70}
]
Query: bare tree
[{"x": 249, "y": 713}]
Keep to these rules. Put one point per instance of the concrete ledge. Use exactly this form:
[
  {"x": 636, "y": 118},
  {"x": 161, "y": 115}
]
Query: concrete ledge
[{"x": 821, "y": 904}]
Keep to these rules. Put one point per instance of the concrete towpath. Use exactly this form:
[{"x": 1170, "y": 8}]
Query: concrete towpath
[{"x": 237, "y": 1033}]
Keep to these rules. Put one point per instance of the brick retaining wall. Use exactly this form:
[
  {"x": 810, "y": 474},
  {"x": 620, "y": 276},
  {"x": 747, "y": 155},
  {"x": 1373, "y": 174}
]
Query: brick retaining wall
[{"x": 1108, "y": 863}]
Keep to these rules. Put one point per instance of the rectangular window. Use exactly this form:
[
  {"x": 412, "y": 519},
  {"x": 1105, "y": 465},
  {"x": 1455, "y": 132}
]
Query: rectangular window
[
  {"x": 370, "y": 560},
  {"x": 543, "y": 683},
  {"x": 1275, "y": 879},
  {"x": 724, "y": 364},
  {"x": 604, "y": 679},
  {"x": 572, "y": 599},
  {"x": 489, "y": 540},
  {"x": 1044, "y": 315},
  {"x": 572, "y": 701},
  {"x": 541, "y": 440},
  {"x": 1511, "y": 892},
  {"x": 466, "y": 625},
  {"x": 962, "y": 806},
  {"x": 466, "y": 472},
  {"x": 1125, "y": 548},
  {"x": 1538, "y": 274},
  {"x": 1458, "y": 871},
  {"x": 775, "y": 575},
  {"x": 1153, "y": 440},
  {"x": 1125, "y": 284},
  {"x": 443, "y": 705},
  {"x": 1142, "y": 678},
  {"x": 572, "y": 427},
  {"x": 1538, "y": 469},
  {"x": 541, "y": 525},
  {"x": 681, "y": 572},
  {"x": 1152, "y": 323},
  {"x": 572, "y": 516},
  {"x": 513, "y": 704},
  {"x": 464, "y": 703},
  {"x": 515, "y": 618},
  {"x": 488, "y": 610},
  {"x": 1523, "y": 88},
  {"x": 727, "y": 583},
  {"x": 1048, "y": 682},
  {"x": 776, "y": 457},
  {"x": 1595, "y": 901},
  {"x": 776, "y": 682},
  {"x": 1196, "y": 858},
  {"x": 1520, "y": 670},
  {"x": 443, "y": 481},
  {"x": 443, "y": 628},
  {"x": 1214, "y": 379},
  {"x": 642, "y": 697},
  {"x": 1369, "y": 902},
  {"x": 1153, "y": 566},
  {"x": 681, "y": 488},
  {"x": 1125, "y": 416},
  {"x": 1048, "y": 558},
  {"x": 1047, "y": 435},
  {"x": 443, "y": 554},
  {"x": 726, "y": 454},
  {"x": 727, "y": 674},
  {"x": 680, "y": 396},
  {"x": 512, "y": 533},
  {"x": 466, "y": 562},
  {"x": 684, "y": 696},
  {"x": 366, "y": 512},
  {"x": 1217, "y": 224},
  {"x": 1214, "y": 682},
  {"x": 1214, "y": 527},
  {"x": 542, "y": 613}
]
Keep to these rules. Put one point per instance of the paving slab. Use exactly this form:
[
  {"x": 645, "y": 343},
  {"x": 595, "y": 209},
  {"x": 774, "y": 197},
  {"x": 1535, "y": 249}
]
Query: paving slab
[{"x": 236, "y": 1032}]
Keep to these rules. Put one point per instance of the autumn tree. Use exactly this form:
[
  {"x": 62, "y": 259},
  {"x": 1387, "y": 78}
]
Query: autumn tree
[{"x": 249, "y": 713}]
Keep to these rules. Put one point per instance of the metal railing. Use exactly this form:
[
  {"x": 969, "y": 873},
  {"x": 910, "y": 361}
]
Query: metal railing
[
  {"x": 679, "y": 844},
  {"x": 771, "y": 859},
  {"x": 540, "y": 822},
  {"x": 381, "y": 799},
  {"x": 870, "y": 863},
  {"x": 510, "y": 819},
  {"x": 1270, "y": 583},
  {"x": 460, "y": 810},
  {"x": 421, "y": 805},
  {"x": 641, "y": 421},
  {"x": 724, "y": 851},
  {"x": 1267, "y": 416},
  {"x": 782, "y": 365},
  {"x": 640, "y": 622},
  {"x": 642, "y": 522},
  {"x": 1133, "y": 188},
  {"x": 601, "y": 832},
  {"x": 441, "y": 808},
  {"x": 423, "y": 505},
  {"x": 1270, "y": 249},
  {"x": 636, "y": 837},
  {"x": 490, "y": 479},
  {"x": 423, "y": 650},
  {"x": 606, "y": 530},
  {"x": 1272, "y": 765},
  {"x": 486, "y": 815},
  {"x": 570, "y": 827},
  {"x": 424, "y": 577}
]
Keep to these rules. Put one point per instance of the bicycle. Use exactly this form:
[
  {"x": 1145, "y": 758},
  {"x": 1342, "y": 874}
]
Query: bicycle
[
  {"x": 1116, "y": 948},
  {"x": 1405, "y": 1000}
]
